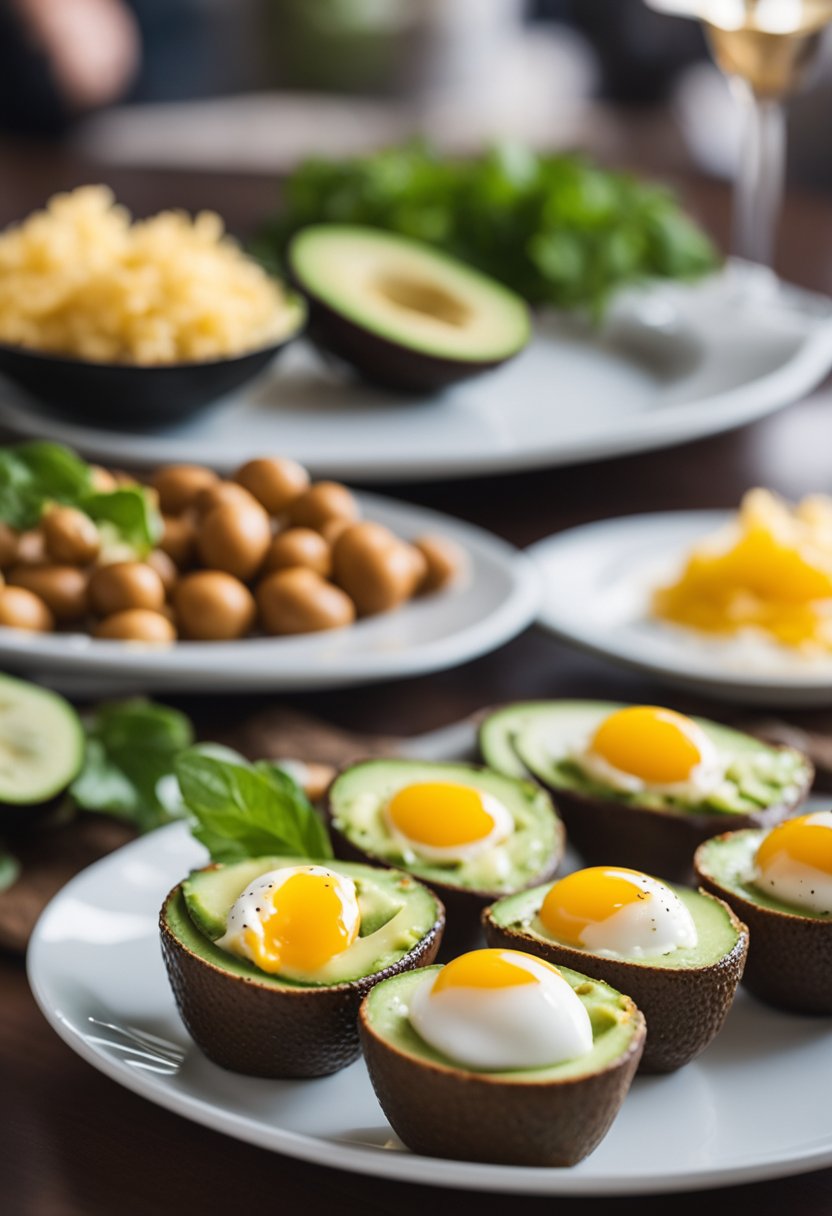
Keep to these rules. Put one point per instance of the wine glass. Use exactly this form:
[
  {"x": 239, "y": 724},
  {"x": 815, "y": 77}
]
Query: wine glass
[{"x": 765, "y": 48}]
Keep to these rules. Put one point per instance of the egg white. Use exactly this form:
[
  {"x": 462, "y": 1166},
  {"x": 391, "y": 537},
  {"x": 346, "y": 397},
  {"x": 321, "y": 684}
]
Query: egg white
[
  {"x": 527, "y": 1026},
  {"x": 500, "y": 832},
  {"x": 795, "y": 883},
  {"x": 254, "y": 906},
  {"x": 657, "y": 924}
]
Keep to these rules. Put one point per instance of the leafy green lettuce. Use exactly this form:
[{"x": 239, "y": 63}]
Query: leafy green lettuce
[{"x": 558, "y": 229}]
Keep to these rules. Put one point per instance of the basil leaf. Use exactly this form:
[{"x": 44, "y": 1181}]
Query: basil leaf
[
  {"x": 128, "y": 514},
  {"x": 128, "y": 766},
  {"x": 243, "y": 810},
  {"x": 33, "y": 474},
  {"x": 9, "y": 868}
]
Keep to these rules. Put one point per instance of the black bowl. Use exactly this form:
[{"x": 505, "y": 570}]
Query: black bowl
[{"x": 128, "y": 395}]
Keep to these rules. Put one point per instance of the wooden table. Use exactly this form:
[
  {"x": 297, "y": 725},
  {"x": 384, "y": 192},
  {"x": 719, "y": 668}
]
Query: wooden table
[{"x": 72, "y": 1143}]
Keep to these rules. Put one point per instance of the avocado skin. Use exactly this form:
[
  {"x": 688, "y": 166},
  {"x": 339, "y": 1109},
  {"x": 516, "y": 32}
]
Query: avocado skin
[
  {"x": 790, "y": 958},
  {"x": 445, "y": 1112},
  {"x": 284, "y": 1033},
  {"x": 463, "y": 906},
  {"x": 379, "y": 360},
  {"x": 684, "y": 1007}
]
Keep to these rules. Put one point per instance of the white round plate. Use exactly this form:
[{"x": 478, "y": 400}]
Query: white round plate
[
  {"x": 750, "y": 1108},
  {"x": 597, "y": 581},
  {"x": 673, "y": 363},
  {"x": 495, "y": 598}
]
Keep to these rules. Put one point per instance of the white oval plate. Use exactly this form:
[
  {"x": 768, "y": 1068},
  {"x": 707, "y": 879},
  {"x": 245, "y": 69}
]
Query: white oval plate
[
  {"x": 596, "y": 586},
  {"x": 496, "y": 597},
  {"x": 674, "y": 363},
  {"x": 751, "y": 1107}
]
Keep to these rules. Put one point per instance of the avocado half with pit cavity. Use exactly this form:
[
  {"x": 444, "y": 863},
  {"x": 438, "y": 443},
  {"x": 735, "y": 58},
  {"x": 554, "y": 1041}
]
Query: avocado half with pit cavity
[
  {"x": 685, "y": 996},
  {"x": 653, "y": 832},
  {"x": 356, "y": 806},
  {"x": 268, "y": 1026},
  {"x": 535, "y": 1116},
  {"x": 401, "y": 313},
  {"x": 41, "y": 750},
  {"x": 790, "y": 957}
]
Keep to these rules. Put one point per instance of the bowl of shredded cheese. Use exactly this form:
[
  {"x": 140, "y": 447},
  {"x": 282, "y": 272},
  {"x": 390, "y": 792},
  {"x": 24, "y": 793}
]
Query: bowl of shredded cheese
[{"x": 134, "y": 322}]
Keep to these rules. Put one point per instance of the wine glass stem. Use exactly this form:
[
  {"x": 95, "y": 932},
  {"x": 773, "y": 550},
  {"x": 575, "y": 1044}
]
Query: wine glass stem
[{"x": 759, "y": 185}]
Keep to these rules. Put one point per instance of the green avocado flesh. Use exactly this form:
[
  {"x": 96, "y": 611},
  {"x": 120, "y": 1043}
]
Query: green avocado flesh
[
  {"x": 715, "y": 930},
  {"x": 729, "y": 861},
  {"x": 41, "y": 743},
  {"x": 541, "y": 739},
  {"x": 613, "y": 1026},
  {"x": 409, "y": 293},
  {"x": 359, "y": 796},
  {"x": 396, "y": 913}
]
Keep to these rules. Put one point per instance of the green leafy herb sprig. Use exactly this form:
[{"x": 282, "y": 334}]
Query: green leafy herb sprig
[
  {"x": 558, "y": 229},
  {"x": 241, "y": 810},
  {"x": 35, "y": 475},
  {"x": 128, "y": 768}
]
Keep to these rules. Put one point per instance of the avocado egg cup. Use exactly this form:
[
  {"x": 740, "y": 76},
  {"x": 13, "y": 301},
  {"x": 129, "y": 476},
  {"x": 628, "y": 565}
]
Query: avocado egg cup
[
  {"x": 780, "y": 883},
  {"x": 269, "y": 958},
  {"x": 469, "y": 834},
  {"x": 500, "y": 1057},
  {"x": 678, "y": 953},
  {"x": 642, "y": 786}
]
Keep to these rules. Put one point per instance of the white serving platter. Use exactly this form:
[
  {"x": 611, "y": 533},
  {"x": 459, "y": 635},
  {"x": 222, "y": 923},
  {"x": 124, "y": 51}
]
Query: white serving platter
[
  {"x": 495, "y": 598},
  {"x": 97, "y": 974},
  {"x": 673, "y": 363},
  {"x": 597, "y": 581}
]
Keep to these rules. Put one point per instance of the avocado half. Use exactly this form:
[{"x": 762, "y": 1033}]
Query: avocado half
[
  {"x": 540, "y": 1117},
  {"x": 653, "y": 833},
  {"x": 264, "y": 1025},
  {"x": 42, "y": 745},
  {"x": 403, "y": 314},
  {"x": 790, "y": 958},
  {"x": 355, "y": 806},
  {"x": 685, "y": 996}
]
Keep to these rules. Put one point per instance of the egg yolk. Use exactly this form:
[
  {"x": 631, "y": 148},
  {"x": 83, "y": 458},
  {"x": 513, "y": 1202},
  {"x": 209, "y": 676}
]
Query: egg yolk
[
  {"x": 305, "y": 927},
  {"x": 490, "y": 969},
  {"x": 803, "y": 842},
  {"x": 440, "y": 814},
  {"x": 588, "y": 897},
  {"x": 659, "y": 746}
]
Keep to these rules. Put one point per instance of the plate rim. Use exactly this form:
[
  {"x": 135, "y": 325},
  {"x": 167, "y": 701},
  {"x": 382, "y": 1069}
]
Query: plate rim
[
  {"x": 356, "y": 1158},
  {"x": 681, "y": 423},
  {"x": 543, "y": 552}
]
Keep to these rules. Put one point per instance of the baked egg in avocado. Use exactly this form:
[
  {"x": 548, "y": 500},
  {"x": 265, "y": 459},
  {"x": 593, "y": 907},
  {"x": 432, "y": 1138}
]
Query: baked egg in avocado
[
  {"x": 500, "y": 1057},
  {"x": 269, "y": 958},
  {"x": 678, "y": 953},
  {"x": 642, "y": 785},
  {"x": 780, "y": 883}
]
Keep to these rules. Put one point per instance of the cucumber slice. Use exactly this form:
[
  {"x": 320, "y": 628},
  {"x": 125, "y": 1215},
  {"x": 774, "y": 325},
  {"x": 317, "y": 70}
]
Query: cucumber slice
[{"x": 41, "y": 743}]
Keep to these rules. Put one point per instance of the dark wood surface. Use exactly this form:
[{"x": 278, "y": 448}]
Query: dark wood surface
[{"x": 73, "y": 1143}]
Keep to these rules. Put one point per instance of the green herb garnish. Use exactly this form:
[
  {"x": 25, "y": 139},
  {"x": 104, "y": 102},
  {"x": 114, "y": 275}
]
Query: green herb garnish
[
  {"x": 128, "y": 768},
  {"x": 9, "y": 868},
  {"x": 557, "y": 229},
  {"x": 35, "y": 475},
  {"x": 243, "y": 810}
]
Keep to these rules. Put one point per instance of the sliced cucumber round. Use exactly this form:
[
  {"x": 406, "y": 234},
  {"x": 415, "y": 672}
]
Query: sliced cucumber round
[{"x": 41, "y": 743}]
